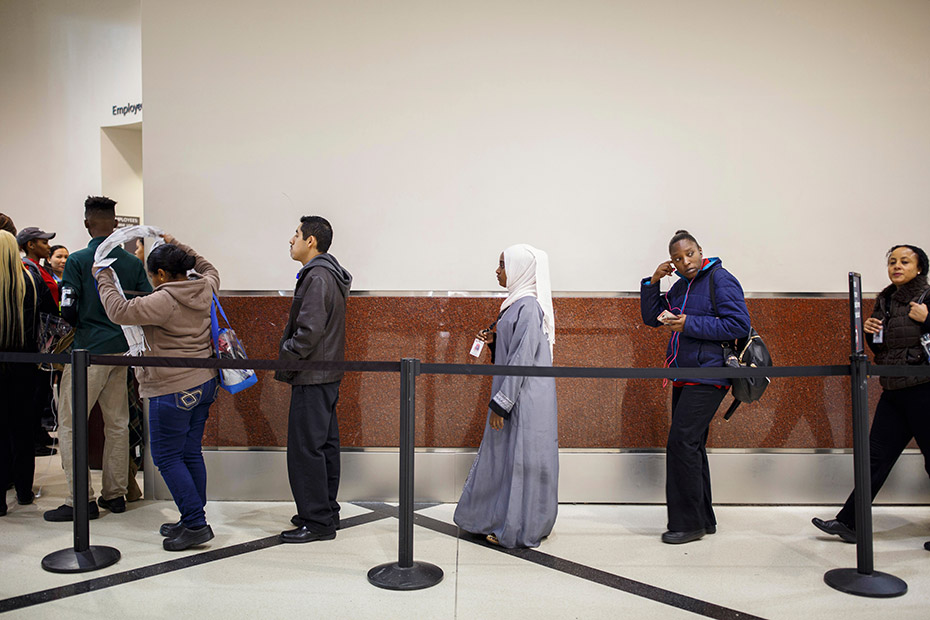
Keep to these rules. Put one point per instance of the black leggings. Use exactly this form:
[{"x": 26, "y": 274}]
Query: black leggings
[{"x": 901, "y": 415}]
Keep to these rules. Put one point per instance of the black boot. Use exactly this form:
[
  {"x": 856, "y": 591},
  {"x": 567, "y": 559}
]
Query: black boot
[{"x": 186, "y": 538}]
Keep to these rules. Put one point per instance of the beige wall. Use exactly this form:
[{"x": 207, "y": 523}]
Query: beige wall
[
  {"x": 121, "y": 167},
  {"x": 791, "y": 137},
  {"x": 64, "y": 64}
]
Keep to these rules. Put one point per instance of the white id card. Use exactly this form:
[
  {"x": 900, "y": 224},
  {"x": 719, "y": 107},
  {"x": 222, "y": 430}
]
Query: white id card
[
  {"x": 476, "y": 348},
  {"x": 879, "y": 337}
]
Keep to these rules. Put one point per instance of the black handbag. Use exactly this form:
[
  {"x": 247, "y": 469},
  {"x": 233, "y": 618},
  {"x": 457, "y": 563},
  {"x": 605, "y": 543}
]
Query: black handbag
[{"x": 747, "y": 352}]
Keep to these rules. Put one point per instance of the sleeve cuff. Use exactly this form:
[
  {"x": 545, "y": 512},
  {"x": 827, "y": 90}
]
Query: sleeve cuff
[{"x": 499, "y": 410}]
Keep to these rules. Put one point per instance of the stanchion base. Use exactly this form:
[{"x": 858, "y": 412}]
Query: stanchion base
[
  {"x": 71, "y": 561},
  {"x": 393, "y": 576},
  {"x": 876, "y": 585}
]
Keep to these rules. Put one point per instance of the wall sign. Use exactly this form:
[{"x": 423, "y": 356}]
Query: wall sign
[{"x": 129, "y": 108}]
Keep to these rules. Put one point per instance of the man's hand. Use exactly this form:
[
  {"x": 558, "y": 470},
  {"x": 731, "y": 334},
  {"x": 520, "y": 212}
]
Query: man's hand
[{"x": 497, "y": 422}]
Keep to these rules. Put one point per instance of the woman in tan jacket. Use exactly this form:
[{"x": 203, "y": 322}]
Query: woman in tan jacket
[{"x": 176, "y": 320}]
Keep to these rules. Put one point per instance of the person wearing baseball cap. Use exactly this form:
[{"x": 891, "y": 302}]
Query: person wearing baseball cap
[{"x": 34, "y": 243}]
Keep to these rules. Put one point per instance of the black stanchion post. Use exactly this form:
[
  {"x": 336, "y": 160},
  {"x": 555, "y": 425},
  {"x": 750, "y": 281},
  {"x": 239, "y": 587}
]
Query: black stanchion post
[
  {"x": 406, "y": 574},
  {"x": 83, "y": 557},
  {"x": 862, "y": 580}
]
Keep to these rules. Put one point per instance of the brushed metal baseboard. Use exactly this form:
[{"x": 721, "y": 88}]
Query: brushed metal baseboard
[{"x": 586, "y": 476}]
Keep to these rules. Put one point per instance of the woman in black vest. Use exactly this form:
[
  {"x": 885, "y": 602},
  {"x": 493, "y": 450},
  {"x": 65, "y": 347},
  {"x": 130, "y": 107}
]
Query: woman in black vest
[{"x": 893, "y": 332}]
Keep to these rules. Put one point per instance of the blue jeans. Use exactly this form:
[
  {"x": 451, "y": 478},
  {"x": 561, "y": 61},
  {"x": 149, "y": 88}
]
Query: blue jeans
[{"x": 176, "y": 424}]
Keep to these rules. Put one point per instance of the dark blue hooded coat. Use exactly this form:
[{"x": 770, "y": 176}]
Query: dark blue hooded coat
[{"x": 699, "y": 344}]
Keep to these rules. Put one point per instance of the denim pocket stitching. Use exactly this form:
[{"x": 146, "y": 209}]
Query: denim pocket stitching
[{"x": 187, "y": 400}]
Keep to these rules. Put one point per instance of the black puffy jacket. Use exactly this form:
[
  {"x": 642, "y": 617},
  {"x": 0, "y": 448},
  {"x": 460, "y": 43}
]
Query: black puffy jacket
[{"x": 901, "y": 334}]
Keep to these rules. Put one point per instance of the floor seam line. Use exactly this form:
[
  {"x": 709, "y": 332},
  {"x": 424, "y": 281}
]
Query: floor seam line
[
  {"x": 647, "y": 591},
  {"x": 144, "y": 572}
]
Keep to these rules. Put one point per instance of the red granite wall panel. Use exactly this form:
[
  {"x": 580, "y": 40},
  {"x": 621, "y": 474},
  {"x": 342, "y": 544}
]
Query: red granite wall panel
[{"x": 593, "y": 413}]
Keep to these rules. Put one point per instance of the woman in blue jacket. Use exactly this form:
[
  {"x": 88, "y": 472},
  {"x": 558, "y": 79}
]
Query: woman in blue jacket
[{"x": 698, "y": 330}]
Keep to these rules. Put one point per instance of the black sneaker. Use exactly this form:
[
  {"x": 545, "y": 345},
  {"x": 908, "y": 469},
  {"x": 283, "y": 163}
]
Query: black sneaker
[
  {"x": 66, "y": 513},
  {"x": 117, "y": 504},
  {"x": 170, "y": 530},
  {"x": 188, "y": 538},
  {"x": 25, "y": 500},
  {"x": 44, "y": 451}
]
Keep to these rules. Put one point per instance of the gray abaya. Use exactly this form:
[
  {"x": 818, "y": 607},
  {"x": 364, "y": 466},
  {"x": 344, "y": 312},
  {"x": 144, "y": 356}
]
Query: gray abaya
[{"x": 512, "y": 488}]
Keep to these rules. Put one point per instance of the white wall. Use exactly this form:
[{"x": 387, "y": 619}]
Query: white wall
[
  {"x": 792, "y": 138},
  {"x": 64, "y": 64},
  {"x": 121, "y": 167}
]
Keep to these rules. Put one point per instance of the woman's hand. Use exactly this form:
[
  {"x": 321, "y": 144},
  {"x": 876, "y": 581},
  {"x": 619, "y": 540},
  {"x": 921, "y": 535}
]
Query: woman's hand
[
  {"x": 486, "y": 336},
  {"x": 497, "y": 422},
  {"x": 872, "y": 325},
  {"x": 96, "y": 270},
  {"x": 676, "y": 324},
  {"x": 664, "y": 269},
  {"x": 918, "y": 312}
]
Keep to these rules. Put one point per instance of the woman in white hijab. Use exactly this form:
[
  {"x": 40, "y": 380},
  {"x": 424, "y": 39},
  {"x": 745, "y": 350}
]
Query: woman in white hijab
[{"x": 511, "y": 494}]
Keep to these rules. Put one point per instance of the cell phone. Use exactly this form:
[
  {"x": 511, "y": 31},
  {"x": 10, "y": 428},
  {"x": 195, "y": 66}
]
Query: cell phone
[{"x": 666, "y": 316}]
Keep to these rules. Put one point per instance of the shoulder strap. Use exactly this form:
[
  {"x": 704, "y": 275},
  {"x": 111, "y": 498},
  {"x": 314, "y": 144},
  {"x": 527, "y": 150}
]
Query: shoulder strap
[
  {"x": 713, "y": 293},
  {"x": 732, "y": 408},
  {"x": 217, "y": 306},
  {"x": 214, "y": 321},
  {"x": 923, "y": 296}
]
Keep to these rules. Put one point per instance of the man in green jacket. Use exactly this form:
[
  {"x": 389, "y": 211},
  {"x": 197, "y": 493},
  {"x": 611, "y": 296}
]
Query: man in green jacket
[{"x": 106, "y": 385}]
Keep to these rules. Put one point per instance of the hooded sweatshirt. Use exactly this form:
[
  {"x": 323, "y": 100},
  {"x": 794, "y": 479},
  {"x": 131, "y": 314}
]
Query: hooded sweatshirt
[
  {"x": 316, "y": 325},
  {"x": 176, "y": 321}
]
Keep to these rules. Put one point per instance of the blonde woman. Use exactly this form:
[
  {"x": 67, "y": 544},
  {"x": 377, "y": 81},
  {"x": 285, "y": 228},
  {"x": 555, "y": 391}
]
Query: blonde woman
[{"x": 22, "y": 297}]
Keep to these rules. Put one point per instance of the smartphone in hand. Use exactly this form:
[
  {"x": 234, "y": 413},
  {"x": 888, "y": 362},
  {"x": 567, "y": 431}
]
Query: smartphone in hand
[{"x": 665, "y": 317}]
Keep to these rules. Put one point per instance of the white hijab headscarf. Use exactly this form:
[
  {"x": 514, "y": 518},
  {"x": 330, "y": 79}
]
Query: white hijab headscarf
[{"x": 528, "y": 276}]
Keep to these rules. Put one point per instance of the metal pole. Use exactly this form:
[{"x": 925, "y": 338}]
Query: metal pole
[
  {"x": 409, "y": 369},
  {"x": 859, "y": 382},
  {"x": 406, "y": 574},
  {"x": 862, "y": 580},
  {"x": 79, "y": 364},
  {"x": 83, "y": 557}
]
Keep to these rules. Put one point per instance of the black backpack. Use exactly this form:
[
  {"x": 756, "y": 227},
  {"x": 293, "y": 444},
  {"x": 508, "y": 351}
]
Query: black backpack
[{"x": 747, "y": 352}]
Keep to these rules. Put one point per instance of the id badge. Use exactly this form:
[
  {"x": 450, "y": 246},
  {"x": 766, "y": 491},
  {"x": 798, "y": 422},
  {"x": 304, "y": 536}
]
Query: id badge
[
  {"x": 476, "y": 348},
  {"x": 879, "y": 337}
]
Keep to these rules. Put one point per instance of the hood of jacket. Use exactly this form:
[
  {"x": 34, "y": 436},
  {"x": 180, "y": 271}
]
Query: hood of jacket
[
  {"x": 195, "y": 293},
  {"x": 328, "y": 261},
  {"x": 710, "y": 264}
]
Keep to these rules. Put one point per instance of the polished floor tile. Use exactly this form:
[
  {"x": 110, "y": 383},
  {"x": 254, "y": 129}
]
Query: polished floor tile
[{"x": 600, "y": 561}]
